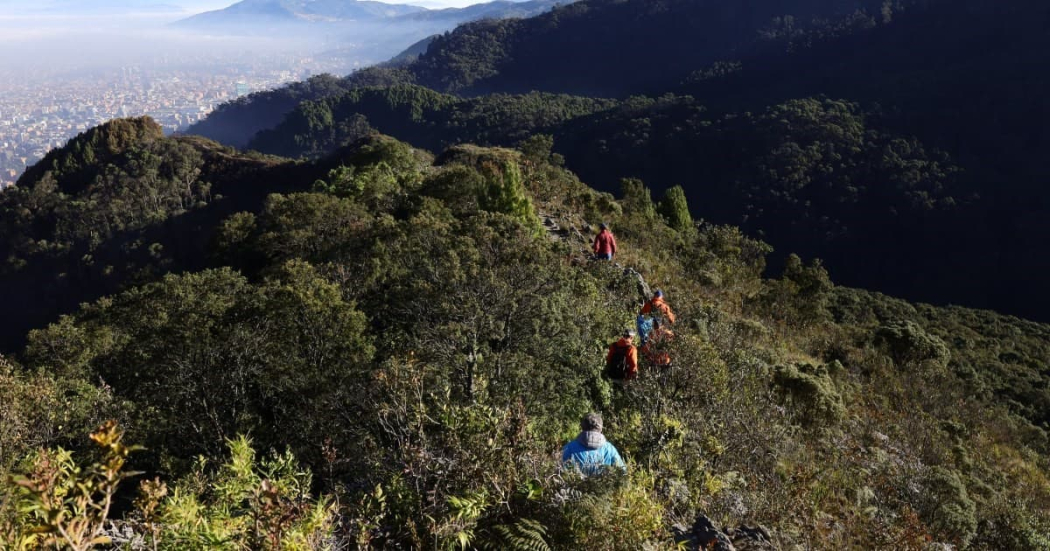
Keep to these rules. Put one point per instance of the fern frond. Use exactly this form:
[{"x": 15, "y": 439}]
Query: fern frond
[{"x": 523, "y": 535}]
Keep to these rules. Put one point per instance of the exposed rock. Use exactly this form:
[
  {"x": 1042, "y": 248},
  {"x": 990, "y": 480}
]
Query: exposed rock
[
  {"x": 643, "y": 287},
  {"x": 747, "y": 538},
  {"x": 708, "y": 537}
]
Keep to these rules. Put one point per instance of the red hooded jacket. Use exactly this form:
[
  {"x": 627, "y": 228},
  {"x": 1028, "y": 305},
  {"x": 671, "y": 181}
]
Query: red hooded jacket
[{"x": 604, "y": 242}]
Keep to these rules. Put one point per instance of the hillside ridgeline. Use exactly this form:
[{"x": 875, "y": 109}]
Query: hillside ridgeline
[{"x": 408, "y": 330}]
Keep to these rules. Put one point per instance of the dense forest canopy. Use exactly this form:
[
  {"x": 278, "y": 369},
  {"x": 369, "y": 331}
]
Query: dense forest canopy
[
  {"x": 589, "y": 47},
  {"x": 951, "y": 82},
  {"x": 118, "y": 204},
  {"x": 407, "y": 340},
  {"x": 817, "y": 175}
]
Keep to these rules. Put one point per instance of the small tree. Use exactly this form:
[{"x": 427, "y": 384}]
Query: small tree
[
  {"x": 636, "y": 198},
  {"x": 537, "y": 148},
  {"x": 505, "y": 193},
  {"x": 675, "y": 209}
]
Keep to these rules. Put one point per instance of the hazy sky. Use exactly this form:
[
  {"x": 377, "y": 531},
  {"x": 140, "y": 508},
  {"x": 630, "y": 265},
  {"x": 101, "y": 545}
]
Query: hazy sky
[
  {"x": 56, "y": 34},
  {"x": 21, "y": 7},
  {"x": 29, "y": 13},
  {"x": 212, "y": 4}
]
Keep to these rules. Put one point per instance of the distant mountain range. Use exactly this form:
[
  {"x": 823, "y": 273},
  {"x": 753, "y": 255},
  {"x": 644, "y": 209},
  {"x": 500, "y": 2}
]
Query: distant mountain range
[
  {"x": 253, "y": 12},
  {"x": 262, "y": 14},
  {"x": 499, "y": 9},
  {"x": 363, "y": 30}
]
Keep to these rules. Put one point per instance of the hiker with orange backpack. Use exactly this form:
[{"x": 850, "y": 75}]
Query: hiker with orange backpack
[
  {"x": 658, "y": 307},
  {"x": 621, "y": 363}
]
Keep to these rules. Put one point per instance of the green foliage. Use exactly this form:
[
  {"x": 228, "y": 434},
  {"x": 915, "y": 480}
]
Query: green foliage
[
  {"x": 949, "y": 511},
  {"x": 801, "y": 294},
  {"x": 426, "y": 352},
  {"x": 812, "y": 391},
  {"x": 908, "y": 344},
  {"x": 210, "y": 354},
  {"x": 618, "y": 516},
  {"x": 524, "y": 535},
  {"x": 147, "y": 209},
  {"x": 236, "y": 122},
  {"x": 457, "y": 187},
  {"x": 140, "y": 183},
  {"x": 504, "y": 193},
  {"x": 637, "y": 200},
  {"x": 64, "y": 505},
  {"x": 817, "y": 176},
  {"x": 722, "y": 257},
  {"x": 675, "y": 209},
  {"x": 39, "y": 410},
  {"x": 307, "y": 225},
  {"x": 1011, "y": 525},
  {"x": 81, "y": 158},
  {"x": 537, "y": 148},
  {"x": 376, "y": 182},
  {"x": 246, "y": 502},
  {"x": 420, "y": 116}
]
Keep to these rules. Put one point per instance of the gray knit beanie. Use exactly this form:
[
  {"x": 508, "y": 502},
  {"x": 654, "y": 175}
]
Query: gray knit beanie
[{"x": 591, "y": 422}]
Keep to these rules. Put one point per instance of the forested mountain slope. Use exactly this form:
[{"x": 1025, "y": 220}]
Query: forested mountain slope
[
  {"x": 605, "y": 48},
  {"x": 423, "y": 335},
  {"x": 591, "y": 47},
  {"x": 959, "y": 76},
  {"x": 819, "y": 177},
  {"x": 949, "y": 86},
  {"x": 119, "y": 204},
  {"x": 422, "y": 117},
  {"x": 234, "y": 123}
]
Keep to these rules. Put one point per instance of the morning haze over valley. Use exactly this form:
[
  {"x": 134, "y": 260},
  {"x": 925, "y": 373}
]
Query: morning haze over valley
[{"x": 525, "y": 274}]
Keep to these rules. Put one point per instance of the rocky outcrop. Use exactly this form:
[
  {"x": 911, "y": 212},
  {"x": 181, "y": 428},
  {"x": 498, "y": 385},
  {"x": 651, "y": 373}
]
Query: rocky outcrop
[{"x": 705, "y": 535}]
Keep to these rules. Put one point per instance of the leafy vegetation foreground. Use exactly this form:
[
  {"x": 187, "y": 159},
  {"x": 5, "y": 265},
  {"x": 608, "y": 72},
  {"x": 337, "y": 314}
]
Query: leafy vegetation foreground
[{"x": 392, "y": 355}]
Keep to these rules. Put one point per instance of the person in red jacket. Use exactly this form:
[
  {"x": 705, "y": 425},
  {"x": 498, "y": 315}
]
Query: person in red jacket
[
  {"x": 604, "y": 244},
  {"x": 658, "y": 305},
  {"x": 622, "y": 360}
]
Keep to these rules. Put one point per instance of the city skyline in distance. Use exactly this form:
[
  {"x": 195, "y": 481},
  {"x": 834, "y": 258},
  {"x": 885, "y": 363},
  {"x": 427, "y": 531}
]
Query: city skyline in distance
[{"x": 66, "y": 66}]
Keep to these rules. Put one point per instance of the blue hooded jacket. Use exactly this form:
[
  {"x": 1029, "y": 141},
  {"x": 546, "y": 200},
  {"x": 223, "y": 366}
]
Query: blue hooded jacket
[{"x": 590, "y": 453}]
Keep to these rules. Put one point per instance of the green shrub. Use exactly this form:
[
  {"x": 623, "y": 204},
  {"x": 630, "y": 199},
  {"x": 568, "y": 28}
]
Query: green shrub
[
  {"x": 812, "y": 391},
  {"x": 505, "y": 193},
  {"x": 63, "y": 505},
  {"x": 245, "y": 503},
  {"x": 948, "y": 510},
  {"x": 637, "y": 200},
  {"x": 675, "y": 209},
  {"x": 908, "y": 344},
  {"x": 619, "y": 513}
]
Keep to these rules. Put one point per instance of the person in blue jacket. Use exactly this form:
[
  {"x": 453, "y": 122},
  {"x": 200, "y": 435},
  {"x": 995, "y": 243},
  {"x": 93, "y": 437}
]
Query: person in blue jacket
[{"x": 590, "y": 452}]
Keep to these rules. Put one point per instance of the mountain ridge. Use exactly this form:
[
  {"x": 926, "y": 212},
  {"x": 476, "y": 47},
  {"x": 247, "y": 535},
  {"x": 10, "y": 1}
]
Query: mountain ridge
[
  {"x": 993, "y": 141},
  {"x": 298, "y": 11},
  {"x": 387, "y": 315}
]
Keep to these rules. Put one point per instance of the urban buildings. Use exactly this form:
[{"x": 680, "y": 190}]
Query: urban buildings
[{"x": 41, "y": 110}]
